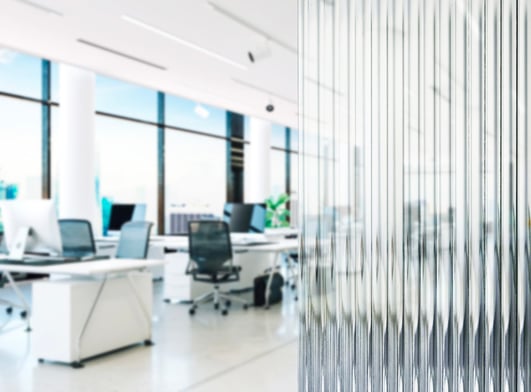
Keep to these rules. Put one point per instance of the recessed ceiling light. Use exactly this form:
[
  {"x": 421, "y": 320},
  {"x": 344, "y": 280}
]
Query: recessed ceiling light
[
  {"x": 40, "y": 7},
  {"x": 183, "y": 42}
]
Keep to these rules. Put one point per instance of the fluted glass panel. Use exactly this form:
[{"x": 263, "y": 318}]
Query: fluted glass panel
[{"x": 415, "y": 197}]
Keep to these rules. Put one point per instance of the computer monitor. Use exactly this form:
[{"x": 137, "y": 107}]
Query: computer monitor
[
  {"x": 30, "y": 226},
  {"x": 122, "y": 213},
  {"x": 245, "y": 218}
]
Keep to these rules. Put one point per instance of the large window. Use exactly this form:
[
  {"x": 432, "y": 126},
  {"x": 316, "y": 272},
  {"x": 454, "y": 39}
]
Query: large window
[
  {"x": 277, "y": 172},
  {"x": 279, "y": 151},
  {"x": 127, "y": 162},
  {"x": 20, "y": 147},
  {"x": 54, "y": 145},
  {"x": 186, "y": 114},
  {"x": 294, "y": 187},
  {"x": 20, "y": 125},
  {"x": 124, "y": 99},
  {"x": 294, "y": 140},
  {"x": 54, "y": 82},
  {"x": 127, "y": 122},
  {"x": 195, "y": 173},
  {"x": 20, "y": 74},
  {"x": 278, "y": 136}
]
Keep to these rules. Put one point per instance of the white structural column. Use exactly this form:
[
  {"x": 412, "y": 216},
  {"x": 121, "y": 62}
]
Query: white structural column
[
  {"x": 77, "y": 145},
  {"x": 257, "y": 161}
]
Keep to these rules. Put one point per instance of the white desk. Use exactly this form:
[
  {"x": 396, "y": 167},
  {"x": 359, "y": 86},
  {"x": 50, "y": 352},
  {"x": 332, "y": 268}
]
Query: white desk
[
  {"x": 92, "y": 277},
  {"x": 174, "y": 274},
  {"x": 180, "y": 244},
  {"x": 83, "y": 268}
]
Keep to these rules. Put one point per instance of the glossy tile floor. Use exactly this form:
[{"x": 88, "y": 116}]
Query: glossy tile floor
[{"x": 254, "y": 350}]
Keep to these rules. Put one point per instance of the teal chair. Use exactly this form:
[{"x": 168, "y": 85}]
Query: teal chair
[{"x": 134, "y": 240}]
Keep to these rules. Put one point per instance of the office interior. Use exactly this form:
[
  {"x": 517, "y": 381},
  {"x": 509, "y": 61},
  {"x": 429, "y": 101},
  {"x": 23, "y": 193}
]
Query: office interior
[
  {"x": 322, "y": 195},
  {"x": 121, "y": 124}
]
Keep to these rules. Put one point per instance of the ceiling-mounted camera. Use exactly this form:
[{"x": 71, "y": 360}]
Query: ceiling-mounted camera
[
  {"x": 262, "y": 51},
  {"x": 270, "y": 107}
]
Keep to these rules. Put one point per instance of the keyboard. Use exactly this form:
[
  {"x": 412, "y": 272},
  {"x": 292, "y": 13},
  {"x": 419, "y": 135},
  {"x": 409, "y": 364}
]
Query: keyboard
[
  {"x": 37, "y": 258},
  {"x": 249, "y": 239},
  {"x": 259, "y": 243},
  {"x": 41, "y": 262},
  {"x": 94, "y": 258}
]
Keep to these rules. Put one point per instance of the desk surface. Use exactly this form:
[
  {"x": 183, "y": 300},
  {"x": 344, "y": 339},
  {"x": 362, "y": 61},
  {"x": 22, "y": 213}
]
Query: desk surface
[
  {"x": 180, "y": 243},
  {"x": 84, "y": 268},
  {"x": 280, "y": 246}
]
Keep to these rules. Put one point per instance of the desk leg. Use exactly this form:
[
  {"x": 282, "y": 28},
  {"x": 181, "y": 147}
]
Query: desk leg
[
  {"x": 87, "y": 321},
  {"x": 270, "y": 279},
  {"x": 147, "y": 316},
  {"x": 23, "y": 304}
]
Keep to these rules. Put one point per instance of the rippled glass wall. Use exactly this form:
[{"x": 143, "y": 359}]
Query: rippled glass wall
[{"x": 415, "y": 195}]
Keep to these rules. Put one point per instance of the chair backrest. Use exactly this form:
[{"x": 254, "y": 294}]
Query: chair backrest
[
  {"x": 3, "y": 247},
  {"x": 77, "y": 237},
  {"x": 209, "y": 244},
  {"x": 134, "y": 240}
]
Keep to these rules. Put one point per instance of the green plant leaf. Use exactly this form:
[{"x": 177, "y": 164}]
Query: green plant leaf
[
  {"x": 283, "y": 214},
  {"x": 283, "y": 198}
]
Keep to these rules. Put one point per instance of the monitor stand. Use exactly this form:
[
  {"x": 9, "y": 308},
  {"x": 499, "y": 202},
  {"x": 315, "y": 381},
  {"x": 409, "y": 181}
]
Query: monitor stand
[{"x": 16, "y": 251}]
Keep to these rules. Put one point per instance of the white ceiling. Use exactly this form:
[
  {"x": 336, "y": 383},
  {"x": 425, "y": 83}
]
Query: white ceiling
[{"x": 189, "y": 73}]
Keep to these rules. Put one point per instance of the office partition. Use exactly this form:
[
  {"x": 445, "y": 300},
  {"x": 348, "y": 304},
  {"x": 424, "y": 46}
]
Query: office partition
[{"x": 415, "y": 195}]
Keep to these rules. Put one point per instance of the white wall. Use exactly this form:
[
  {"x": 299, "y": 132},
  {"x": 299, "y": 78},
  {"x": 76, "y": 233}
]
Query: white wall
[{"x": 258, "y": 161}]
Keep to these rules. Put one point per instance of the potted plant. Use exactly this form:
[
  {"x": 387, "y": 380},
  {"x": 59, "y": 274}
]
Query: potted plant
[{"x": 277, "y": 213}]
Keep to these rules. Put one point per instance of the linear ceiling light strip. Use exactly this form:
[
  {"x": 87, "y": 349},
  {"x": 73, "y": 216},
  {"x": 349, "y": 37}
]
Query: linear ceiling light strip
[
  {"x": 41, "y": 7},
  {"x": 182, "y": 42}
]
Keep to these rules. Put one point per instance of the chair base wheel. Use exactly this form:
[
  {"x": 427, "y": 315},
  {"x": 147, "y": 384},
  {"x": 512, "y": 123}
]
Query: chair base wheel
[
  {"x": 216, "y": 306},
  {"x": 23, "y": 314},
  {"x": 224, "y": 312},
  {"x": 77, "y": 365},
  {"x": 245, "y": 307},
  {"x": 149, "y": 342},
  {"x": 191, "y": 312},
  {"x": 9, "y": 310},
  {"x": 228, "y": 304},
  {"x": 41, "y": 360}
]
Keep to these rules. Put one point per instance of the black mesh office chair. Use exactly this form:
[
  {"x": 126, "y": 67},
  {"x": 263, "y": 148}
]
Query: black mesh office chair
[
  {"x": 134, "y": 240},
  {"x": 210, "y": 252},
  {"x": 77, "y": 238}
]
